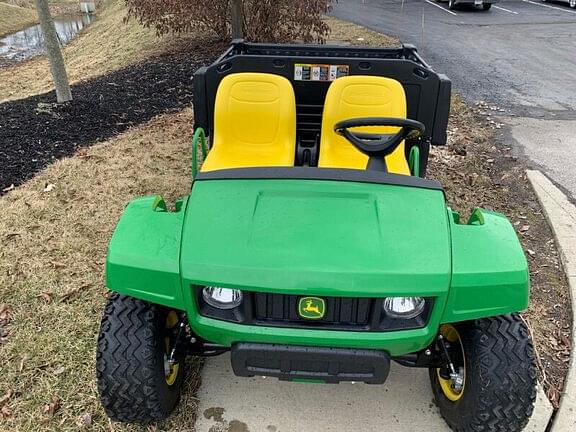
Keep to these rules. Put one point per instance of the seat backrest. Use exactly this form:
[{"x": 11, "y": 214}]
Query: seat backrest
[
  {"x": 254, "y": 122},
  {"x": 355, "y": 97}
]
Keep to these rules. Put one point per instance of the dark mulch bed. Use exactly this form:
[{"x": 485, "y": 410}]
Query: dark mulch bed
[{"x": 35, "y": 131}]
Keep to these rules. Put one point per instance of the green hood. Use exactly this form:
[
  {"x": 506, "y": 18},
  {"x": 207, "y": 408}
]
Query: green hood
[{"x": 316, "y": 236}]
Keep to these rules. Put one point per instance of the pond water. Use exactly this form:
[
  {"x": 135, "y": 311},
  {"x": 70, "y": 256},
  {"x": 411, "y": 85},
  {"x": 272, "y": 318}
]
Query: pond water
[{"x": 29, "y": 42}]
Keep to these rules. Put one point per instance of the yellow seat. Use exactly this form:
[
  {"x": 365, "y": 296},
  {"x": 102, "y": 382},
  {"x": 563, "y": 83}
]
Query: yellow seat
[
  {"x": 254, "y": 123},
  {"x": 355, "y": 97}
]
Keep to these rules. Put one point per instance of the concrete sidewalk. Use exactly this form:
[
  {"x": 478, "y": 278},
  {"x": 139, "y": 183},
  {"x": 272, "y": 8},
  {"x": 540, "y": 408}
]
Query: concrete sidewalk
[{"x": 404, "y": 403}]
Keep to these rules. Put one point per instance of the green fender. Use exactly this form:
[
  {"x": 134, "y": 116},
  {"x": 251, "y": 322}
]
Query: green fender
[
  {"x": 143, "y": 256},
  {"x": 489, "y": 270}
]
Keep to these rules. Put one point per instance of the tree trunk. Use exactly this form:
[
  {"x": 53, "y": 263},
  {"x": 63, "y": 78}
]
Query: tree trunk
[
  {"x": 57, "y": 67},
  {"x": 237, "y": 19}
]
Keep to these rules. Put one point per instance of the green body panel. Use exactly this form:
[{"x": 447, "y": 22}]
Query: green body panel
[
  {"x": 143, "y": 256},
  {"x": 318, "y": 238},
  {"x": 489, "y": 270}
]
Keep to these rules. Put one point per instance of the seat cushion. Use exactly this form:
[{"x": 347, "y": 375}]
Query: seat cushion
[
  {"x": 355, "y": 97},
  {"x": 254, "y": 122}
]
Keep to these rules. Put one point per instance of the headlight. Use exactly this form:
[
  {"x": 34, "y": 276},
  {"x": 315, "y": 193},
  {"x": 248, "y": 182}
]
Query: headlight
[
  {"x": 222, "y": 298},
  {"x": 404, "y": 307}
]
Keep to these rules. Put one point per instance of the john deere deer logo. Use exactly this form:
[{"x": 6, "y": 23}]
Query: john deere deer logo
[{"x": 311, "y": 307}]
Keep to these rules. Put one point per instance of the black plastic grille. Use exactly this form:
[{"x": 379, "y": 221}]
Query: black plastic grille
[
  {"x": 282, "y": 309},
  {"x": 341, "y": 313}
]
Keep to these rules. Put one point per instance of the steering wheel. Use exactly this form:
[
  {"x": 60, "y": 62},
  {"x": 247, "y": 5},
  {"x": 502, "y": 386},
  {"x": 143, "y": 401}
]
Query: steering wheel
[{"x": 378, "y": 145}]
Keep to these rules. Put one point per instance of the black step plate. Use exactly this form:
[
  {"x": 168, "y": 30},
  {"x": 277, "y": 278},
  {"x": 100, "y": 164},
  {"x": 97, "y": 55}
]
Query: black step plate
[{"x": 331, "y": 365}]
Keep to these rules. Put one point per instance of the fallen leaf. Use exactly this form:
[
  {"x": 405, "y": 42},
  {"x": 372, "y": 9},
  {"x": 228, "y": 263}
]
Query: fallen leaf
[
  {"x": 524, "y": 228},
  {"x": 5, "y": 412},
  {"x": 85, "y": 420},
  {"x": 47, "y": 297},
  {"x": 5, "y": 398},
  {"x": 49, "y": 187},
  {"x": 565, "y": 340},
  {"x": 82, "y": 153},
  {"x": 4, "y": 312},
  {"x": 51, "y": 408},
  {"x": 60, "y": 370},
  {"x": 554, "y": 396},
  {"x": 9, "y": 188},
  {"x": 57, "y": 264},
  {"x": 4, "y": 321},
  {"x": 531, "y": 252},
  {"x": 69, "y": 294}
]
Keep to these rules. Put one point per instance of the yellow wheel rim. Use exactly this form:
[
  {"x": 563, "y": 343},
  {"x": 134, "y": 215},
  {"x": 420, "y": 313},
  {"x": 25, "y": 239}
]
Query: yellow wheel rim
[
  {"x": 452, "y": 335},
  {"x": 171, "y": 322}
]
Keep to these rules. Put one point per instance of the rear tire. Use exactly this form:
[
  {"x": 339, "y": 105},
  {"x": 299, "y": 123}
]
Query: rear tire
[
  {"x": 486, "y": 6},
  {"x": 499, "y": 380},
  {"x": 130, "y": 362},
  {"x": 451, "y": 4}
]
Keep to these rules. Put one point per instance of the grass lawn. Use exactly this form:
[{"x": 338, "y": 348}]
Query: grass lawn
[
  {"x": 51, "y": 271},
  {"x": 106, "y": 45},
  {"x": 343, "y": 32},
  {"x": 14, "y": 18},
  {"x": 18, "y": 14}
]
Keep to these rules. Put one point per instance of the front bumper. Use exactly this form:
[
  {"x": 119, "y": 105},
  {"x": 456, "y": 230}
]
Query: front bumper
[
  {"x": 395, "y": 343},
  {"x": 297, "y": 363}
]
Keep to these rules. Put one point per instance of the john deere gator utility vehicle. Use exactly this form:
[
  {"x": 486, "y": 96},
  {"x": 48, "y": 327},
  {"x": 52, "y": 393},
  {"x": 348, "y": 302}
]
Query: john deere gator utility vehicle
[{"x": 312, "y": 248}]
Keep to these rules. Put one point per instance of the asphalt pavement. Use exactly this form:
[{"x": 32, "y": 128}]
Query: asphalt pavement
[{"x": 520, "y": 56}]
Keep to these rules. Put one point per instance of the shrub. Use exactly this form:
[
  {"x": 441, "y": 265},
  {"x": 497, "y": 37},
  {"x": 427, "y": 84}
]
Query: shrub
[{"x": 264, "y": 20}]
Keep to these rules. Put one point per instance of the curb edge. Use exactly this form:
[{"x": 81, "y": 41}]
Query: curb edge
[{"x": 559, "y": 212}]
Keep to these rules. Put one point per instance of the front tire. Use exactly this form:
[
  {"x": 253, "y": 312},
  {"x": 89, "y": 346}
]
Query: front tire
[
  {"x": 499, "y": 371},
  {"x": 134, "y": 380}
]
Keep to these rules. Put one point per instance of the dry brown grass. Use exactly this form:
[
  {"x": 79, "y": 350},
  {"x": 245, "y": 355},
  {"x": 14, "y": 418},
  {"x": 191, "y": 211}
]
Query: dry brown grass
[
  {"x": 51, "y": 272},
  {"x": 14, "y": 18},
  {"x": 18, "y": 14},
  {"x": 106, "y": 45},
  {"x": 343, "y": 32}
]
